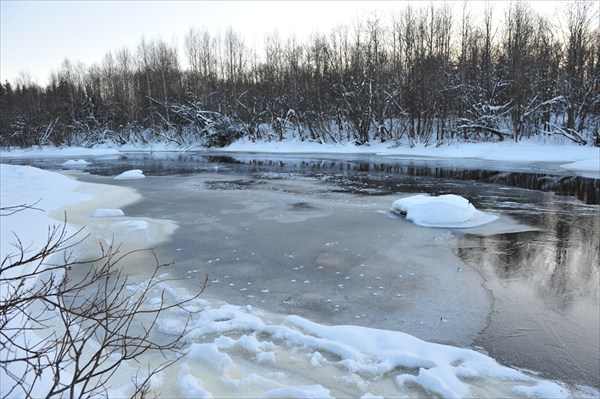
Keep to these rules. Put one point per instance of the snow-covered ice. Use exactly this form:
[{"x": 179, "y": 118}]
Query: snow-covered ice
[
  {"x": 305, "y": 392},
  {"x": 105, "y": 213},
  {"x": 48, "y": 192},
  {"x": 131, "y": 174},
  {"x": 45, "y": 199},
  {"x": 449, "y": 210},
  {"x": 590, "y": 164},
  {"x": 241, "y": 351},
  {"x": 338, "y": 361}
]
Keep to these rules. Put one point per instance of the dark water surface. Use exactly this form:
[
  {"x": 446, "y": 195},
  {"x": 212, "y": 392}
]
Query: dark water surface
[{"x": 545, "y": 281}]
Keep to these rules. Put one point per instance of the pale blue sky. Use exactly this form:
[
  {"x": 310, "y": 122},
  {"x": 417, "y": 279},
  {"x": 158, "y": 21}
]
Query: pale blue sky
[{"x": 36, "y": 36}]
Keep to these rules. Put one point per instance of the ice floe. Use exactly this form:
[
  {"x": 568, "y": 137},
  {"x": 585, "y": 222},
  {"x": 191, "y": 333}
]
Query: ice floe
[
  {"x": 131, "y": 174},
  {"x": 75, "y": 164},
  {"x": 450, "y": 211}
]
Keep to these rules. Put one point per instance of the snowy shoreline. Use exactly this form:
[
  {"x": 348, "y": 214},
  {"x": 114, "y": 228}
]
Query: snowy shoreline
[
  {"x": 437, "y": 369},
  {"x": 554, "y": 155}
]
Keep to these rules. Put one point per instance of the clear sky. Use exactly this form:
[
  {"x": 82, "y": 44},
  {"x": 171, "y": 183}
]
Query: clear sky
[{"x": 36, "y": 36}]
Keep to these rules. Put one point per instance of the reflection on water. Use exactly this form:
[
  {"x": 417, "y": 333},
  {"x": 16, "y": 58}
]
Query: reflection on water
[
  {"x": 374, "y": 172},
  {"x": 545, "y": 282}
]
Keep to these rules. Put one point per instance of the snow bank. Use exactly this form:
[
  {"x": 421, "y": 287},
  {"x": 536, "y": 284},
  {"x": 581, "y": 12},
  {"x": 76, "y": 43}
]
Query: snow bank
[
  {"x": 562, "y": 152},
  {"x": 48, "y": 192},
  {"x": 41, "y": 199},
  {"x": 526, "y": 151},
  {"x": 49, "y": 151},
  {"x": 130, "y": 174},
  {"x": 450, "y": 211},
  {"x": 294, "y": 146}
]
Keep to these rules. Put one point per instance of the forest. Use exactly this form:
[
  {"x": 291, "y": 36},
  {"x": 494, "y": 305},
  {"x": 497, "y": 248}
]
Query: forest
[{"x": 422, "y": 75}]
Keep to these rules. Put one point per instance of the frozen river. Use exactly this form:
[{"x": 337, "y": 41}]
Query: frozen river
[{"x": 314, "y": 236}]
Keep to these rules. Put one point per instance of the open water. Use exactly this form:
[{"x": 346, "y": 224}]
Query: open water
[{"x": 313, "y": 235}]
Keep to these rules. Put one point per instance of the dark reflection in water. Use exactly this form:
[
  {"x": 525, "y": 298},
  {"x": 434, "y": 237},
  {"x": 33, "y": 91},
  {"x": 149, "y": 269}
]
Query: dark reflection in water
[
  {"x": 545, "y": 282},
  {"x": 381, "y": 176},
  {"x": 546, "y": 286}
]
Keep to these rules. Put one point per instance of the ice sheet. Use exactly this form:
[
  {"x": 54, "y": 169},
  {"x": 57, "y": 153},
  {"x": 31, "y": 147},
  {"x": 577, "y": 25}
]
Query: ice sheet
[
  {"x": 104, "y": 213},
  {"x": 241, "y": 351}
]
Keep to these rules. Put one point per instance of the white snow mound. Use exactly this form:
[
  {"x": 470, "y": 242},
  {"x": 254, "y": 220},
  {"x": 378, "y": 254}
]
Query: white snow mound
[
  {"x": 131, "y": 174},
  {"x": 71, "y": 163},
  {"x": 449, "y": 211},
  {"x": 107, "y": 213}
]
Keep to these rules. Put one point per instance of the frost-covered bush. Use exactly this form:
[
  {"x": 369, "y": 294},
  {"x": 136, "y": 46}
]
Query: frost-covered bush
[{"x": 222, "y": 132}]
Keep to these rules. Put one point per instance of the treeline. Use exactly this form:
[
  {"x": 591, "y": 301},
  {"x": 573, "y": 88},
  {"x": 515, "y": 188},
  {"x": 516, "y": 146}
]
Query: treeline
[{"x": 423, "y": 76}]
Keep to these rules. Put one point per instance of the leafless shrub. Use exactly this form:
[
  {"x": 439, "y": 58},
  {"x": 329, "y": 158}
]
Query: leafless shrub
[{"x": 65, "y": 333}]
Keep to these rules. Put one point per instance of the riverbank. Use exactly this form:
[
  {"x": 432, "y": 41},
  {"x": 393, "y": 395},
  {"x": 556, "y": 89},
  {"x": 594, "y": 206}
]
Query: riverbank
[
  {"x": 555, "y": 154},
  {"x": 262, "y": 332}
]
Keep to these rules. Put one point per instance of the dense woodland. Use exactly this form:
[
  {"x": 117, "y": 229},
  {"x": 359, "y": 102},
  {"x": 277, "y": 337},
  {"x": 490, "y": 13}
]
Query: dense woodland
[{"x": 423, "y": 75}]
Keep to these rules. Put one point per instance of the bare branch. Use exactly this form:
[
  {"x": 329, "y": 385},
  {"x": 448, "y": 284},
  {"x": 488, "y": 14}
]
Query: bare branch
[
  {"x": 78, "y": 332},
  {"x": 11, "y": 210}
]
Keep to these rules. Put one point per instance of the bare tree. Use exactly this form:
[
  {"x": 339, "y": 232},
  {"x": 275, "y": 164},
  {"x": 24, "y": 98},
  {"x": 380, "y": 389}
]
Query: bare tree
[
  {"x": 425, "y": 76},
  {"x": 581, "y": 74},
  {"x": 201, "y": 53},
  {"x": 234, "y": 56},
  {"x": 518, "y": 35}
]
